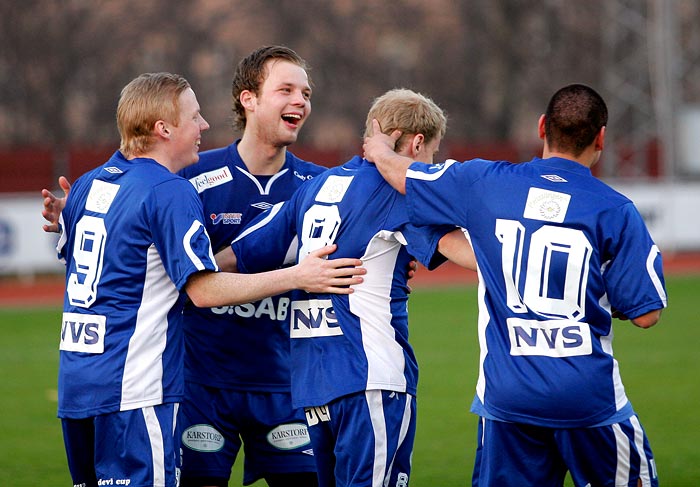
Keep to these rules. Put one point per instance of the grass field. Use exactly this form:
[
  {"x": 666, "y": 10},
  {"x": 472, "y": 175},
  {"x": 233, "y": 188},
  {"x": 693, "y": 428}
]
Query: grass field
[{"x": 659, "y": 367}]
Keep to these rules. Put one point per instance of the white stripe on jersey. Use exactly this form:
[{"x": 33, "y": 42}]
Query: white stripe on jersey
[
  {"x": 430, "y": 176},
  {"x": 142, "y": 383},
  {"x": 268, "y": 186},
  {"x": 270, "y": 215},
  {"x": 606, "y": 343},
  {"x": 653, "y": 253},
  {"x": 155, "y": 437},
  {"x": 187, "y": 245},
  {"x": 483, "y": 319},
  {"x": 62, "y": 239},
  {"x": 371, "y": 303}
]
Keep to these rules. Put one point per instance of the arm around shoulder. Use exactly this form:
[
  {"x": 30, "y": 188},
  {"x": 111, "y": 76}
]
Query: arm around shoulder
[
  {"x": 315, "y": 273},
  {"x": 380, "y": 149}
]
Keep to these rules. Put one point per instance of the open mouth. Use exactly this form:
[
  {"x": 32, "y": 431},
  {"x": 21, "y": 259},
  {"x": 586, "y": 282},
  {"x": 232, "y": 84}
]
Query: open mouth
[{"x": 291, "y": 118}]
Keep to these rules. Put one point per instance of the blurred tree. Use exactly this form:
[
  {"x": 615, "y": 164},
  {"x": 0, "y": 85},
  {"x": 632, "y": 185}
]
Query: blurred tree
[{"x": 492, "y": 64}]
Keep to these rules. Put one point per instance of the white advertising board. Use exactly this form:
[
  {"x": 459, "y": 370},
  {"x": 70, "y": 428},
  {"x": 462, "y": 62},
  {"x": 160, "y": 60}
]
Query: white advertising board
[
  {"x": 671, "y": 211},
  {"x": 24, "y": 247}
]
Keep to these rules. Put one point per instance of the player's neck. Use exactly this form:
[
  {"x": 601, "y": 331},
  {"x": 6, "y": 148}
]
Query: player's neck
[
  {"x": 586, "y": 158},
  {"x": 261, "y": 159},
  {"x": 161, "y": 157}
]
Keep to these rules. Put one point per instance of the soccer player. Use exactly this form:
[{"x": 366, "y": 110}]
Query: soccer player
[
  {"x": 353, "y": 369},
  {"x": 237, "y": 382},
  {"x": 237, "y": 374},
  {"x": 132, "y": 240},
  {"x": 559, "y": 254}
]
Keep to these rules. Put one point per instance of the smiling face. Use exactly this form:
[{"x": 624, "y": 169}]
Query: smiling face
[
  {"x": 278, "y": 112},
  {"x": 186, "y": 136}
]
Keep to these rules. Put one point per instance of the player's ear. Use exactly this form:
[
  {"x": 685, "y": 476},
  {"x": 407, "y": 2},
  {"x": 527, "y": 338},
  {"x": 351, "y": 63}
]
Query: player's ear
[
  {"x": 540, "y": 127},
  {"x": 161, "y": 129},
  {"x": 600, "y": 139},
  {"x": 417, "y": 144},
  {"x": 247, "y": 99}
]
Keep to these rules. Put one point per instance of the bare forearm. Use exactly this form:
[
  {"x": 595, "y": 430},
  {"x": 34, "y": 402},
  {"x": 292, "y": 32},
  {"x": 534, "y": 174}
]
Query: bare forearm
[
  {"x": 456, "y": 248},
  {"x": 316, "y": 273},
  {"x": 210, "y": 289}
]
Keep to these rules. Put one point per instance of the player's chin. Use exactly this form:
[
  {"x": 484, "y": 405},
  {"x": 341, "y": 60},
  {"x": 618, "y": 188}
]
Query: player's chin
[
  {"x": 289, "y": 139},
  {"x": 293, "y": 129},
  {"x": 194, "y": 159}
]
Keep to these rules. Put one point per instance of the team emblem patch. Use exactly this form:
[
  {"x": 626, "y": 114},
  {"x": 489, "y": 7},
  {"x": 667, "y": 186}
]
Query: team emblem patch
[
  {"x": 544, "y": 205},
  {"x": 334, "y": 189},
  {"x": 101, "y": 196}
]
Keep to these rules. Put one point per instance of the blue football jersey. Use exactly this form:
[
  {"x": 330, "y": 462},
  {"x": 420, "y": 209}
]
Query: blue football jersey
[
  {"x": 345, "y": 343},
  {"x": 244, "y": 347},
  {"x": 557, "y": 249},
  {"x": 132, "y": 233}
]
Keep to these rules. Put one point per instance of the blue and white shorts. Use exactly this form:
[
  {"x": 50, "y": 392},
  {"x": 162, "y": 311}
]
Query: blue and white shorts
[
  {"x": 214, "y": 423},
  {"x": 512, "y": 454},
  {"x": 364, "y": 439},
  {"x": 135, "y": 448}
]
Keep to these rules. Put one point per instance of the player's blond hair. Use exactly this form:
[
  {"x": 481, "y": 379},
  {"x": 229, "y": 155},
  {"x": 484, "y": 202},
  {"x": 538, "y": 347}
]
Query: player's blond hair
[
  {"x": 410, "y": 112},
  {"x": 145, "y": 100}
]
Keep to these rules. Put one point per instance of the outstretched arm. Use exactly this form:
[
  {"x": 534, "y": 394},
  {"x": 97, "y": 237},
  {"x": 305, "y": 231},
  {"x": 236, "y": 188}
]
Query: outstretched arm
[
  {"x": 315, "y": 274},
  {"x": 380, "y": 149},
  {"x": 53, "y": 206}
]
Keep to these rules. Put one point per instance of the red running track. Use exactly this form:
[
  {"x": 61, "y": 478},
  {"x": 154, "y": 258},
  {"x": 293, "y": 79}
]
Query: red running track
[{"x": 48, "y": 290}]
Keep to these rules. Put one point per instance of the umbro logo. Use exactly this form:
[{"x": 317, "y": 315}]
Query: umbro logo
[
  {"x": 263, "y": 205},
  {"x": 554, "y": 178},
  {"x": 113, "y": 170}
]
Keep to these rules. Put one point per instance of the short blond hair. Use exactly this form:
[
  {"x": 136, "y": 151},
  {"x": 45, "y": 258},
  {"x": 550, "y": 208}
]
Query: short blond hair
[
  {"x": 145, "y": 100},
  {"x": 410, "y": 112}
]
